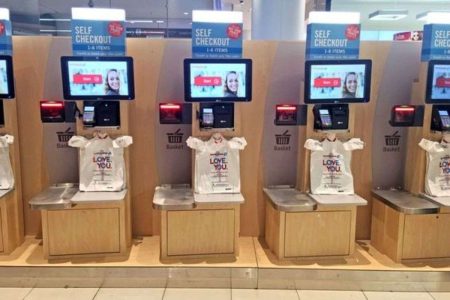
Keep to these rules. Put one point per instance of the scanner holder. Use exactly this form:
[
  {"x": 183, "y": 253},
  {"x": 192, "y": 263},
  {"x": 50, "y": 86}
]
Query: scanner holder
[{"x": 331, "y": 116}]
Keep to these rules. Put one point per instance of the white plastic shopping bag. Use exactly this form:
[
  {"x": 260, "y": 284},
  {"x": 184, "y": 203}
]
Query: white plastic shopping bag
[
  {"x": 217, "y": 164},
  {"x": 6, "y": 173},
  {"x": 330, "y": 165},
  {"x": 102, "y": 166},
  {"x": 437, "y": 176}
]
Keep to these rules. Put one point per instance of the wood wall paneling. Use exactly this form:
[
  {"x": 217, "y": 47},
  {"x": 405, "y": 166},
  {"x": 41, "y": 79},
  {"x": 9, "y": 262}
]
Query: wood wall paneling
[
  {"x": 30, "y": 61},
  {"x": 416, "y": 157},
  {"x": 147, "y": 56},
  {"x": 364, "y": 122},
  {"x": 11, "y": 205},
  {"x": 253, "y": 210}
]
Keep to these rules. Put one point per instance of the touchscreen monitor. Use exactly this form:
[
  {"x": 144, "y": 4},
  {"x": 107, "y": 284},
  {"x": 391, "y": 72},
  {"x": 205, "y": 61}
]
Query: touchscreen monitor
[
  {"x": 97, "y": 78},
  {"x": 438, "y": 82},
  {"x": 6, "y": 78},
  {"x": 337, "y": 81},
  {"x": 227, "y": 80}
]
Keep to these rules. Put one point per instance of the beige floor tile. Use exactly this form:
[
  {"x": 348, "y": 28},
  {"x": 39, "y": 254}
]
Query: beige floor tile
[
  {"x": 397, "y": 296},
  {"x": 331, "y": 295},
  {"x": 129, "y": 294},
  {"x": 251, "y": 294},
  {"x": 14, "y": 293},
  {"x": 62, "y": 294},
  {"x": 197, "y": 294},
  {"x": 440, "y": 296}
]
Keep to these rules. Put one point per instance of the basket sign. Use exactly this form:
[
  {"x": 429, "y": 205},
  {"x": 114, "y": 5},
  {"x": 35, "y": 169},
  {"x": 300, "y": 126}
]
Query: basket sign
[
  {"x": 64, "y": 136},
  {"x": 283, "y": 139},
  {"x": 98, "y": 38},
  {"x": 392, "y": 140},
  {"x": 175, "y": 137}
]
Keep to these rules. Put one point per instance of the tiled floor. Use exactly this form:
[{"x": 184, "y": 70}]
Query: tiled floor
[{"x": 203, "y": 294}]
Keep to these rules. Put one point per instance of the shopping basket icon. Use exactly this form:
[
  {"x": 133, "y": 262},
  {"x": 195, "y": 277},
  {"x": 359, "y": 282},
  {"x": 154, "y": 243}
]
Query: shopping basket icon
[
  {"x": 64, "y": 136},
  {"x": 392, "y": 140},
  {"x": 283, "y": 139},
  {"x": 176, "y": 137}
]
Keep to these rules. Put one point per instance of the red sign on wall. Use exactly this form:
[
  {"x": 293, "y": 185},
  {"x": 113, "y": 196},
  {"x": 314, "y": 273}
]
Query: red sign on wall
[{"x": 409, "y": 36}]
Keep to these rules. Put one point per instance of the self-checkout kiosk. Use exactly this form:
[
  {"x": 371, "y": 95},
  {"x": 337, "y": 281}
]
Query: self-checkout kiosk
[
  {"x": 411, "y": 222},
  {"x": 203, "y": 220},
  {"x": 193, "y": 220},
  {"x": 315, "y": 214},
  {"x": 328, "y": 220},
  {"x": 87, "y": 212},
  {"x": 11, "y": 209}
]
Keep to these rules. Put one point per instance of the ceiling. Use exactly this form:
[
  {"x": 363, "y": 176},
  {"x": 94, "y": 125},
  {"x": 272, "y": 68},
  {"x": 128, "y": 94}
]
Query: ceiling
[
  {"x": 26, "y": 14},
  {"x": 414, "y": 7},
  {"x": 135, "y": 9}
]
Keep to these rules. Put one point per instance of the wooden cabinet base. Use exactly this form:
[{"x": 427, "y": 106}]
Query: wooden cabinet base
[
  {"x": 11, "y": 234},
  {"x": 402, "y": 237},
  {"x": 327, "y": 231},
  {"x": 85, "y": 230},
  {"x": 205, "y": 231}
]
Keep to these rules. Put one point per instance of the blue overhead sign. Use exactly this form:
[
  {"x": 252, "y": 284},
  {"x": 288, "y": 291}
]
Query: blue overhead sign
[
  {"x": 216, "y": 40},
  {"x": 436, "y": 42},
  {"x": 5, "y": 37},
  {"x": 98, "y": 38},
  {"x": 332, "y": 41}
]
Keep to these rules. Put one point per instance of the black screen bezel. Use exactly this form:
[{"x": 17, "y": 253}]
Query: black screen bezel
[
  {"x": 187, "y": 78},
  {"x": 2, "y": 114},
  {"x": 367, "y": 80},
  {"x": 429, "y": 85},
  {"x": 10, "y": 77},
  {"x": 66, "y": 82}
]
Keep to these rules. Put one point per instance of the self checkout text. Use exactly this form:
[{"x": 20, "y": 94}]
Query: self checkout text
[
  {"x": 203, "y": 38},
  {"x": 322, "y": 39},
  {"x": 84, "y": 35},
  {"x": 442, "y": 38}
]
